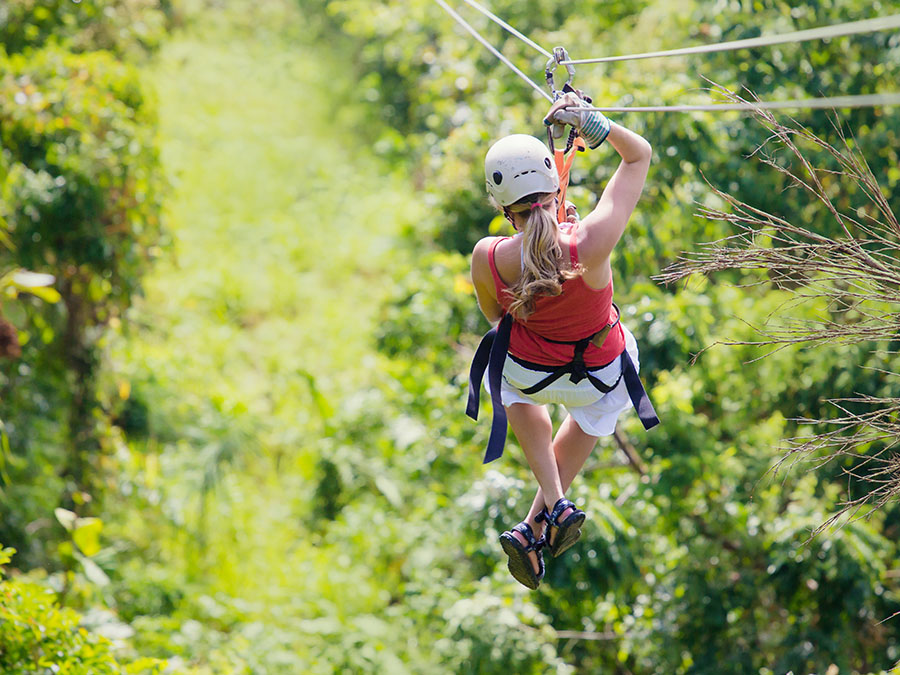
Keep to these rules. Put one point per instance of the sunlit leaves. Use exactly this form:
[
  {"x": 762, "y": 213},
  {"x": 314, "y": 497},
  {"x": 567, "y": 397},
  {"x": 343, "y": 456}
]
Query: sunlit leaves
[
  {"x": 125, "y": 26},
  {"x": 38, "y": 636}
]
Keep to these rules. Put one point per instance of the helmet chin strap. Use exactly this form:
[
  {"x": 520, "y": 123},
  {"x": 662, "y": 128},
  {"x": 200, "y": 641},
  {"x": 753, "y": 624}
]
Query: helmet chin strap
[{"x": 508, "y": 215}]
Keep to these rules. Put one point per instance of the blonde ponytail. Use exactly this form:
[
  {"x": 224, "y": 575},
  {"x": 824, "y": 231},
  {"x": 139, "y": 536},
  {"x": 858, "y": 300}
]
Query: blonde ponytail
[{"x": 541, "y": 273}]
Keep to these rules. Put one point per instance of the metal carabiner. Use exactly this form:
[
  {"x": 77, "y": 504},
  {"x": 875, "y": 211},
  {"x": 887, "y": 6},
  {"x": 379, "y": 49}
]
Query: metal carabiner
[{"x": 559, "y": 54}]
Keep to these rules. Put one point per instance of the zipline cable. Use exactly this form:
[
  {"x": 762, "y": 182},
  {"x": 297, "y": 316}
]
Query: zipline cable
[
  {"x": 493, "y": 50},
  {"x": 823, "y": 33},
  {"x": 500, "y": 22},
  {"x": 833, "y": 102},
  {"x": 861, "y": 101}
]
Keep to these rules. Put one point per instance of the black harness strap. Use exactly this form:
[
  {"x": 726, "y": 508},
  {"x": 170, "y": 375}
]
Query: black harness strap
[
  {"x": 638, "y": 394},
  {"x": 576, "y": 368},
  {"x": 491, "y": 355}
]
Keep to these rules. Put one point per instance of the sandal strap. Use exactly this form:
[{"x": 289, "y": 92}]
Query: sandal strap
[
  {"x": 542, "y": 516},
  {"x": 558, "y": 509},
  {"x": 524, "y": 529}
]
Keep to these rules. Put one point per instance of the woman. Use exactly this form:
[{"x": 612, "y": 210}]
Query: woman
[{"x": 551, "y": 284}]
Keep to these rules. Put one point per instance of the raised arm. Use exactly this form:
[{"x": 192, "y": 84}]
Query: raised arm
[{"x": 603, "y": 227}]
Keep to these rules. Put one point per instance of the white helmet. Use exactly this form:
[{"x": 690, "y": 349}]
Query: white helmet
[{"x": 519, "y": 165}]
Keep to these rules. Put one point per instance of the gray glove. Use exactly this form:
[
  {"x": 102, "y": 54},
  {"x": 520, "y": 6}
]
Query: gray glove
[{"x": 591, "y": 124}]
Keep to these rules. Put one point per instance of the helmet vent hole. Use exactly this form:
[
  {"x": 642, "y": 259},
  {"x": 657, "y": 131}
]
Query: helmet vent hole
[
  {"x": 547, "y": 162},
  {"x": 498, "y": 178}
]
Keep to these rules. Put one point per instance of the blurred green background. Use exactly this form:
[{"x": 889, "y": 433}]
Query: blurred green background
[{"x": 232, "y": 432}]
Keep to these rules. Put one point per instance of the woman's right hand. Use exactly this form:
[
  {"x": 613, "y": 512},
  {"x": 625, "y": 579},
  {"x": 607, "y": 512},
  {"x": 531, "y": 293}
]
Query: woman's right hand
[{"x": 591, "y": 124}]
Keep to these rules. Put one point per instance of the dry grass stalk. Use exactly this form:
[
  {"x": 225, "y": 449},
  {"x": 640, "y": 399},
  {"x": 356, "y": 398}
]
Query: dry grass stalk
[{"x": 856, "y": 274}]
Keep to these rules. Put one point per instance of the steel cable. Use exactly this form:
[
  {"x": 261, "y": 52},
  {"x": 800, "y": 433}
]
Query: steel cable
[
  {"x": 492, "y": 49},
  {"x": 823, "y": 33},
  {"x": 500, "y": 22},
  {"x": 830, "y": 102}
]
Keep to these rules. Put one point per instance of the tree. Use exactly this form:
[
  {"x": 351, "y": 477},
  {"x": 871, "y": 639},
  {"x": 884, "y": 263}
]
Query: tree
[{"x": 79, "y": 199}]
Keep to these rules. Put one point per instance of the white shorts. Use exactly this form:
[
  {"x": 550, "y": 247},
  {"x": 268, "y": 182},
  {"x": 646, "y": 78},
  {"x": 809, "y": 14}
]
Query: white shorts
[{"x": 595, "y": 412}]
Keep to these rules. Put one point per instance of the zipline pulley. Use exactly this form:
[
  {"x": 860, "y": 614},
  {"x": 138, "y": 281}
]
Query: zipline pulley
[
  {"x": 563, "y": 164},
  {"x": 559, "y": 54}
]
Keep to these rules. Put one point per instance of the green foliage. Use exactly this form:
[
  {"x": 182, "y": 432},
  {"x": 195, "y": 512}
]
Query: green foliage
[
  {"x": 79, "y": 198},
  {"x": 80, "y": 190},
  {"x": 449, "y": 97},
  {"x": 38, "y": 636},
  {"x": 126, "y": 27},
  {"x": 423, "y": 322}
]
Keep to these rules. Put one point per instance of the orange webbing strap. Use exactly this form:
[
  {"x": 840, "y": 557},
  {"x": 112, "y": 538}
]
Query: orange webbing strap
[{"x": 563, "y": 166}]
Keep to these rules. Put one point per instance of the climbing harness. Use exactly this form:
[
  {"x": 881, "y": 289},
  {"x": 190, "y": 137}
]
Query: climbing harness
[
  {"x": 576, "y": 368},
  {"x": 491, "y": 355}
]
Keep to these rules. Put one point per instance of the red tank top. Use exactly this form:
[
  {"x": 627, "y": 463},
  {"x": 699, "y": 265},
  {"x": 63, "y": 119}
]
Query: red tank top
[{"x": 576, "y": 313}]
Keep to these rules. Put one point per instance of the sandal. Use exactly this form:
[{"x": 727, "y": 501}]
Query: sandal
[
  {"x": 567, "y": 532},
  {"x": 519, "y": 564}
]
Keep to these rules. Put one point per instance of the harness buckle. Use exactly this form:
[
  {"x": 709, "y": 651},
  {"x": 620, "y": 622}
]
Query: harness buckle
[
  {"x": 577, "y": 373},
  {"x": 577, "y": 367}
]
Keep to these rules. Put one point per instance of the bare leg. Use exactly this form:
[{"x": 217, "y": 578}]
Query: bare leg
[
  {"x": 572, "y": 447},
  {"x": 534, "y": 431}
]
